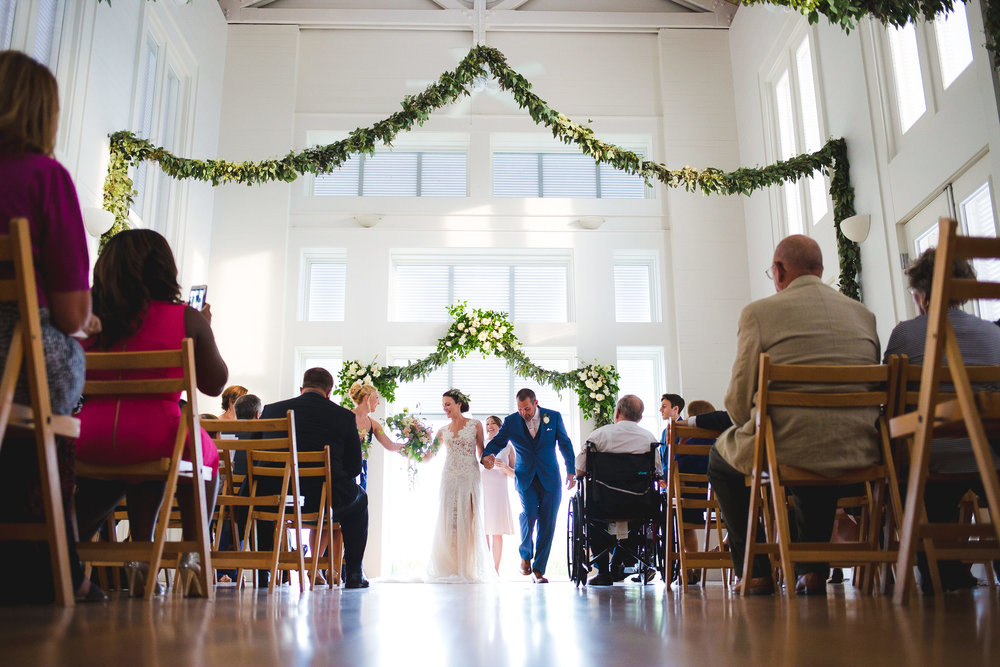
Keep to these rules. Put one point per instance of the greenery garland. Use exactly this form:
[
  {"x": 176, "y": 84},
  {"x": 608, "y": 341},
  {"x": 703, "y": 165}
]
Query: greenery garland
[
  {"x": 891, "y": 12},
  {"x": 128, "y": 150},
  {"x": 489, "y": 332}
]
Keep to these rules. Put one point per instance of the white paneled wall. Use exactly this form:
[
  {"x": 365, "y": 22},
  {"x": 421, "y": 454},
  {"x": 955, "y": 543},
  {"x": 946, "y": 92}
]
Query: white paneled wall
[{"x": 283, "y": 85}]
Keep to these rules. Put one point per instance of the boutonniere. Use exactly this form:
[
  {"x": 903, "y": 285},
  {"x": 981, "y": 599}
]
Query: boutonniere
[{"x": 545, "y": 419}]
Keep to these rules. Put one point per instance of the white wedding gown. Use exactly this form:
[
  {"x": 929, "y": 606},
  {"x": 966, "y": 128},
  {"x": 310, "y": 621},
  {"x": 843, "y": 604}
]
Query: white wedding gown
[{"x": 459, "y": 553}]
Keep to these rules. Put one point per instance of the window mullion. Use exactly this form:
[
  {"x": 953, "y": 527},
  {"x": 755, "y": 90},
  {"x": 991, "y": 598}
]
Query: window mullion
[
  {"x": 420, "y": 162},
  {"x": 361, "y": 174},
  {"x": 541, "y": 177}
]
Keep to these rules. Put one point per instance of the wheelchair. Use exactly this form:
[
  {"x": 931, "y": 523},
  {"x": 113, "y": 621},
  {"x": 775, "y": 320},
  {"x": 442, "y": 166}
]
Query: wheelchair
[{"x": 616, "y": 488}]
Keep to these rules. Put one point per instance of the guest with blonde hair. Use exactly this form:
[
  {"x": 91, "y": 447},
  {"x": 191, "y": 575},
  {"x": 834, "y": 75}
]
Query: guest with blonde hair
[
  {"x": 365, "y": 398},
  {"x": 229, "y": 397}
]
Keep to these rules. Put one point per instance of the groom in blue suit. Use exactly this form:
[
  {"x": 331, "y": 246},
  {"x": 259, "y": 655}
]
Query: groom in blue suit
[{"x": 535, "y": 432}]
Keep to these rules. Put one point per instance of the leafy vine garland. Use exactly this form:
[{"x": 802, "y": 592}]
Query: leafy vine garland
[
  {"x": 490, "y": 332},
  {"x": 128, "y": 150}
]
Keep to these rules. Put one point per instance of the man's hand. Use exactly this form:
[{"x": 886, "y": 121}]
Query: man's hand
[
  {"x": 488, "y": 461},
  {"x": 570, "y": 482}
]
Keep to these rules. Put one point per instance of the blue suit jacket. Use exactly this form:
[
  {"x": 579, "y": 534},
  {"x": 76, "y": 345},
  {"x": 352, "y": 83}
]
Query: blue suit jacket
[{"x": 536, "y": 456}]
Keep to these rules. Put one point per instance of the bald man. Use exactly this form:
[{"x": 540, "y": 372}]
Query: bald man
[{"x": 806, "y": 322}]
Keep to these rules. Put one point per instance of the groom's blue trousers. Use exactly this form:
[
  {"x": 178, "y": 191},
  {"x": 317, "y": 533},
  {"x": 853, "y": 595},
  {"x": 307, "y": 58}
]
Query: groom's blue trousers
[{"x": 540, "y": 508}]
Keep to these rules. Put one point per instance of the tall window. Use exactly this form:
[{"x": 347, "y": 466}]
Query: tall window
[
  {"x": 912, "y": 47},
  {"x": 528, "y": 288},
  {"x": 796, "y": 129},
  {"x": 490, "y": 386},
  {"x": 572, "y": 175},
  {"x": 161, "y": 115},
  {"x": 403, "y": 174},
  {"x": 642, "y": 373},
  {"x": 636, "y": 287},
  {"x": 324, "y": 286},
  {"x": 33, "y": 27}
]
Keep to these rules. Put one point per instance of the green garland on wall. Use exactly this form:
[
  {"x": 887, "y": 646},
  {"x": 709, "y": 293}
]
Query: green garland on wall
[
  {"x": 491, "y": 333},
  {"x": 128, "y": 150},
  {"x": 891, "y": 12}
]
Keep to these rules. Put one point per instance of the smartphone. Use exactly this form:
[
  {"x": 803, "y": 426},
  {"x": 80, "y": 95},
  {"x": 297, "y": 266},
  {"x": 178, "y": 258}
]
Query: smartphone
[{"x": 196, "y": 297}]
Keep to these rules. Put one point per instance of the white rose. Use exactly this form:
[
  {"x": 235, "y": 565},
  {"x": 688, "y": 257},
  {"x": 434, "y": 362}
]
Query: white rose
[
  {"x": 600, "y": 397},
  {"x": 499, "y": 347},
  {"x": 449, "y": 343},
  {"x": 472, "y": 330},
  {"x": 503, "y": 330},
  {"x": 606, "y": 367},
  {"x": 590, "y": 384},
  {"x": 368, "y": 379},
  {"x": 377, "y": 373},
  {"x": 461, "y": 341},
  {"x": 461, "y": 326},
  {"x": 482, "y": 335},
  {"x": 593, "y": 395},
  {"x": 353, "y": 368},
  {"x": 583, "y": 376}
]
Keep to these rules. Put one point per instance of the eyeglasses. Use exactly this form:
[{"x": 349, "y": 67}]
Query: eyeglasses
[{"x": 769, "y": 272}]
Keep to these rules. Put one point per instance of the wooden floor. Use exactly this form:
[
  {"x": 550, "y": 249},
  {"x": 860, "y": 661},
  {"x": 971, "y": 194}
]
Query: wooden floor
[{"x": 507, "y": 624}]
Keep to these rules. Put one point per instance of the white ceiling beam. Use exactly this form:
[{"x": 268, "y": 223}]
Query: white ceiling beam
[{"x": 464, "y": 19}]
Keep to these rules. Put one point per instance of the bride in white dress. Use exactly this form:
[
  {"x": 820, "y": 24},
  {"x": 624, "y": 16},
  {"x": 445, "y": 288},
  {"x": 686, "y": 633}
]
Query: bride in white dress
[{"x": 459, "y": 553}]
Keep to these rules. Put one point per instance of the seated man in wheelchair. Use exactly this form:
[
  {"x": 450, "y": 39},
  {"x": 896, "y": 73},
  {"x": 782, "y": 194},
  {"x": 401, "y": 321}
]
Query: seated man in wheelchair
[{"x": 602, "y": 501}]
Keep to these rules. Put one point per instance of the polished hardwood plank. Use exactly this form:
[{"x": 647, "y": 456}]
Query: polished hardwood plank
[{"x": 507, "y": 624}]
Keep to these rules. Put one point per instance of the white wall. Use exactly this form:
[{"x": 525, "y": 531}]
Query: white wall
[
  {"x": 282, "y": 84},
  {"x": 891, "y": 177}
]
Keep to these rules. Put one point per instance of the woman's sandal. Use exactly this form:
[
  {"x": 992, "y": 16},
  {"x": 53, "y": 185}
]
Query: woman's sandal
[
  {"x": 136, "y": 573},
  {"x": 189, "y": 573}
]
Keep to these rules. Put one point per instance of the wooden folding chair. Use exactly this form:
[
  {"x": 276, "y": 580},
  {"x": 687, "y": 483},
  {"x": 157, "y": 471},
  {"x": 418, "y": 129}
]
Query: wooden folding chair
[
  {"x": 680, "y": 488},
  {"x": 168, "y": 470},
  {"x": 985, "y": 547},
  {"x": 317, "y": 464},
  {"x": 966, "y": 415},
  {"x": 26, "y": 348},
  {"x": 770, "y": 475},
  {"x": 271, "y": 455}
]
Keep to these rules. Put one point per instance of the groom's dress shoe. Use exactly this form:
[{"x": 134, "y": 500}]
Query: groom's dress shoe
[
  {"x": 356, "y": 581},
  {"x": 538, "y": 577},
  {"x": 525, "y": 567},
  {"x": 601, "y": 579}
]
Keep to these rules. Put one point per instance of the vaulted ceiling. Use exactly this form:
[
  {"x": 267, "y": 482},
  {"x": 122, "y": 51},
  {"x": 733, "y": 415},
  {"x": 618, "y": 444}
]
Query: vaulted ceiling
[{"x": 483, "y": 16}]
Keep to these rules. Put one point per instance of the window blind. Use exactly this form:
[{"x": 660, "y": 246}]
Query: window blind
[
  {"x": 639, "y": 377},
  {"x": 633, "y": 295},
  {"x": 46, "y": 28},
  {"x": 909, "y": 85},
  {"x": 7, "y": 8},
  {"x": 327, "y": 289},
  {"x": 979, "y": 220},
  {"x": 571, "y": 175},
  {"x": 397, "y": 174},
  {"x": 145, "y": 122},
  {"x": 533, "y": 293},
  {"x": 953, "y": 43}
]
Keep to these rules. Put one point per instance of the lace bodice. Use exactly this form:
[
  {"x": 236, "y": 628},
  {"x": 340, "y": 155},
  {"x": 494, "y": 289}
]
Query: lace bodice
[{"x": 460, "y": 450}]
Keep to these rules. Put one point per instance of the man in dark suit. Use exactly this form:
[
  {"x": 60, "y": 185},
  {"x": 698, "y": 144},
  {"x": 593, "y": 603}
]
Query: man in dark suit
[
  {"x": 535, "y": 433},
  {"x": 319, "y": 422}
]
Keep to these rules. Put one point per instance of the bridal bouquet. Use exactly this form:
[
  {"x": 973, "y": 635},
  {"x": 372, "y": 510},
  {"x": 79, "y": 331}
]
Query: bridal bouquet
[{"x": 417, "y": 438}]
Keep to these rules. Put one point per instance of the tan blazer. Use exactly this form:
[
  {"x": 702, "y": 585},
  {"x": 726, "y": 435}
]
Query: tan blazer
[{"x": 808, "y": 322}]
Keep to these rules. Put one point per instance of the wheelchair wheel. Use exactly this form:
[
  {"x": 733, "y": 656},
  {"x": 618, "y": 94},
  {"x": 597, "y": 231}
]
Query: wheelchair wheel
[{"x": 576, "y": 543}]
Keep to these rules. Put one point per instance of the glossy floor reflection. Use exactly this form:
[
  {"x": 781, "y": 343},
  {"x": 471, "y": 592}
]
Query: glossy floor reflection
[{"x": 507, "y": 624}]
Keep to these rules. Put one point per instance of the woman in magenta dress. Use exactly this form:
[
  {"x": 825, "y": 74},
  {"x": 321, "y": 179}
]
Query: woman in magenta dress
[
  {"x": 137, "y": 297},
  {"x": 33, "y": 185}
]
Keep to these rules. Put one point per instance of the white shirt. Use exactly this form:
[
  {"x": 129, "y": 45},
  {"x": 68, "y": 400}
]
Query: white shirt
[{"x": 623, "y": 437}]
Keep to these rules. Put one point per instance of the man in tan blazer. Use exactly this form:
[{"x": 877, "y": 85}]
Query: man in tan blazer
[{"x": 806, "y": 322}]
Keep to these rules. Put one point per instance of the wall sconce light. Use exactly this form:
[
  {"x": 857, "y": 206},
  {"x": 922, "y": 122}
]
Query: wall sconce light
[
  {"x": 856, "y": 227},
  {"x": 97, "y": 221},
  {"x": 591, "y": 221},
  {"x": 367, "y": 219}
]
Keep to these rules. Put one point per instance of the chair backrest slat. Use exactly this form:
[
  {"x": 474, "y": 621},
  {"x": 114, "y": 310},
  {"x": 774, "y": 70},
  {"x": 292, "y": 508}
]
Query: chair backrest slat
[
  {"x": 827, "y": 399},
  {"x": 139, "y": 360},
  {"x": 133, "y": 387},
  {"x": 975, "y": 247},
  {"x": 8, "y": 290},
  {"x": 965, "y": 289},
  {"x": 245, "y": 425},
  {"x": 827, "y": 374}
]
